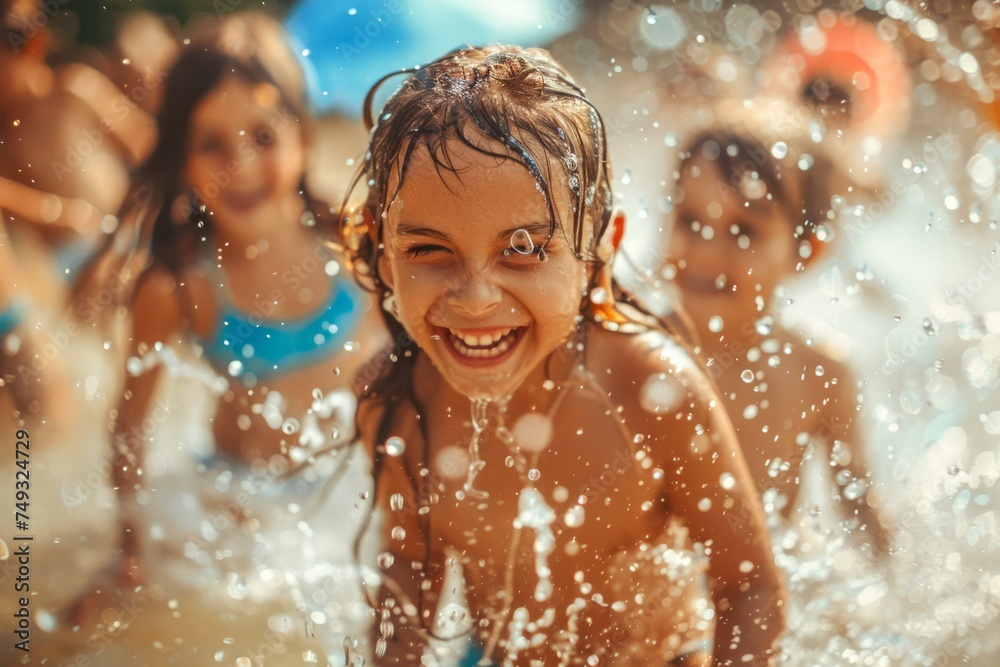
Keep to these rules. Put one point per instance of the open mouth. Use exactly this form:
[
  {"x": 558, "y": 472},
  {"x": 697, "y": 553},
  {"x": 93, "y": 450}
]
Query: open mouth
[
  {"x": 482, "y": 347},
  {"x": 243, "y": 201}
]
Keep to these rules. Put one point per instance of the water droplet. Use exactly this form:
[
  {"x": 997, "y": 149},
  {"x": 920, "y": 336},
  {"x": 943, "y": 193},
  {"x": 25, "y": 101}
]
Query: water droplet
[
  {"x": 764, "y": 325},
  {"x": 705, "y": 504},
  {"x": 855, "y": 489},
  {"x": 574, "y": 516},
  {"x": 385, "y": 560},
  {"x": 779, "y": 150},
  {"x": 715, "y": 324},
  {"x": 534, "y": 474},
  {"x": 661, "y": 393},
  {"x": 396, "y": 502},
  {"x": 395, "y": 446},
  {"x": 237, "y": 587},
  {"x": 750, "y": 411},
  {"x": 727, "y": 481},
  {"x": 533, "y": 431},
  {"x": 746, "y": 566},
  {"x": 398, "y": 533},
  {"x": 747, "y": 376},
  {"x": 134, "y": 366},
  {"x": 521, "y": 243}
]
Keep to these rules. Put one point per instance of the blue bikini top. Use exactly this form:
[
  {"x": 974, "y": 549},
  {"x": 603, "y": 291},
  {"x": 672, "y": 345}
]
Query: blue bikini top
[{"x": 249, "y": 347}]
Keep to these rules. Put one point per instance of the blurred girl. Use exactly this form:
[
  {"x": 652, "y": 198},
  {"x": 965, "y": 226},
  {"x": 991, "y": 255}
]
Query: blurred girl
[
  {"x": 242, "y": 269},
  {"x": 551, "y": 438}
]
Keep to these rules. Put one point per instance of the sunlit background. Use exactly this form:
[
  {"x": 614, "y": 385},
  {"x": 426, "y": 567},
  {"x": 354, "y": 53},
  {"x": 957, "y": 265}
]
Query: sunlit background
[{"x": 907, "y": 294}]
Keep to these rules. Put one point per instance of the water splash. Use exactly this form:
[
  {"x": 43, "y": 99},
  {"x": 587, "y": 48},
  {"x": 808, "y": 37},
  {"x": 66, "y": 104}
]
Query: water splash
[
  {"x": 533, "y": 512},
  {"x": 476, "y": 464}
]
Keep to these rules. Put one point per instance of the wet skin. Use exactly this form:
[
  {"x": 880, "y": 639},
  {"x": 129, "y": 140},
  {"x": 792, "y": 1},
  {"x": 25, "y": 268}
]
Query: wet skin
[
  {"x": 446, "y": 238},
  {"x": 773, "y": 383}
]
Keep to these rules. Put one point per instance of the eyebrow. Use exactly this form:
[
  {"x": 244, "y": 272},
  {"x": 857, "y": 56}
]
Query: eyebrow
[{"x": 407, "y": 229}]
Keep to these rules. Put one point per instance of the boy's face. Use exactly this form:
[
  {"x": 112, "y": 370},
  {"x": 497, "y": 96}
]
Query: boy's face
[
  {"x": 729, "y": 246},
  {"x": 485, "y": 314}
]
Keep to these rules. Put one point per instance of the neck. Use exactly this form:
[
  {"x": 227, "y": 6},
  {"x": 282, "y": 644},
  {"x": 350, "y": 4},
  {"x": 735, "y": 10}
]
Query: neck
[{"x": 284, "y": 239}]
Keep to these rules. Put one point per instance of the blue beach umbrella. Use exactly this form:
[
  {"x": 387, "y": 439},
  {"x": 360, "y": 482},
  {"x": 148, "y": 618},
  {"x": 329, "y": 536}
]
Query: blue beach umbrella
[{"x": 344, "y": 46}]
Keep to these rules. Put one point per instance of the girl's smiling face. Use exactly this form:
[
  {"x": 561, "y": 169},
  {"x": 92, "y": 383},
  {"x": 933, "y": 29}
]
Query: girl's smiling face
[
  {"x": 245, "y": 157},
  {"x": 484, "y": 313}
]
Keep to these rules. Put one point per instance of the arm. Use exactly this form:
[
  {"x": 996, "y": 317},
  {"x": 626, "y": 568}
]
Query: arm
[
  {"x": 49, "y": 209},
  {"x": 715, "y": 495},
  {"x": 130, "y": 125},
  {"x": 155, "y": 318},
  {"x": 846, "y": 450},
  {"x": 399, "y": 630}
]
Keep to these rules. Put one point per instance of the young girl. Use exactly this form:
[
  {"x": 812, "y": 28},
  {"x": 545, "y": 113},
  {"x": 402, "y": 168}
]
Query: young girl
[
  {"x": 752, "y": 213},
  {"x": 523, "y": 421},
  {"x": 241, "y": 270}
]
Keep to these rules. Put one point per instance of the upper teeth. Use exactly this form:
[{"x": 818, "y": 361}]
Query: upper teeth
[{"x": 481, "y": 340}]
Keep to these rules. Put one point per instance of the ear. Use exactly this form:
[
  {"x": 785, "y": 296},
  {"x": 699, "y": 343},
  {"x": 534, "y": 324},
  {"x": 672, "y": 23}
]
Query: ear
[
  {"x": 612, "y": 235},
  {"x": 382, "y": 267},
  {"x": 385, "y": 272}
]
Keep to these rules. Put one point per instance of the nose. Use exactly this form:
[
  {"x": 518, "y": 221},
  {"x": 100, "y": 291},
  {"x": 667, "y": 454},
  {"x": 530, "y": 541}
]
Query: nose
[
  {"x": 695, "y": 249},
  {"x": 475, "y": 293},
  {"x": 250, "y": 160}
]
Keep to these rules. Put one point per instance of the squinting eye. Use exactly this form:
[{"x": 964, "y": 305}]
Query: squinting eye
[
  {"x": 536, "y": 251},
  {"x": 209, "y": 146},
  {"x": 424, "y": 250}
]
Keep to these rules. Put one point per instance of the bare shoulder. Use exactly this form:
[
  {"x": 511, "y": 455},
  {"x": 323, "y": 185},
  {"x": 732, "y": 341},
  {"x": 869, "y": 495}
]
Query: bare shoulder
[
  {"x": 653, "y": 377},
  {"x": 155, "y": 310}
]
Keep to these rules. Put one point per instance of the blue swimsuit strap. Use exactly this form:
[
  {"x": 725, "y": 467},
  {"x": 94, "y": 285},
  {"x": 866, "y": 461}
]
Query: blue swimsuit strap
[{"x": 250, "y": 347}]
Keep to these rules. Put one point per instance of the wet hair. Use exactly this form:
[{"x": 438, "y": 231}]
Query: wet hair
[
  {"x": 742, "y": 154},
  {"x": 247, "y": 45},
  {"x": 508, "y": 102}
]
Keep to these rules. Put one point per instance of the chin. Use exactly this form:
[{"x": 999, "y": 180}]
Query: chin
[{"x": 490, "y": 388}]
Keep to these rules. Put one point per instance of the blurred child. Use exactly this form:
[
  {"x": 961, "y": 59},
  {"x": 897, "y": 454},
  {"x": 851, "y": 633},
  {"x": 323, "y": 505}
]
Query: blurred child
[
  {"x": 242, "y": 270},
  {"x": 33, "y": 377},
  {"x": 752, "y": 213},
  {"x": 594, "y": 444},
  {"x": 70, "y": 138}
]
